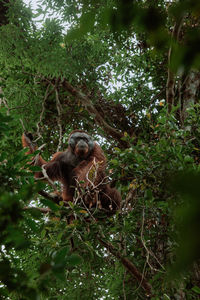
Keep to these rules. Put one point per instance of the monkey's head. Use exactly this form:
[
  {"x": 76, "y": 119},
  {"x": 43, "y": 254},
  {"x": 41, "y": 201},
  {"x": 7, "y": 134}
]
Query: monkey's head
[{"x": 81, "y": 144}]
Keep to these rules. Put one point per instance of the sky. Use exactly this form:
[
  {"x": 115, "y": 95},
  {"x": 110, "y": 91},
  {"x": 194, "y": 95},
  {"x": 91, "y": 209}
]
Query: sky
[
  {"x": 32, "y": 2},
  {"x": 112, "y": 85}
]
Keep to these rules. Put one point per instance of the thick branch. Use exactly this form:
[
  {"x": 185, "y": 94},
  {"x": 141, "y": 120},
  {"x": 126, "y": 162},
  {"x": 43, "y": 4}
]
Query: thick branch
[
  {"x": 192, "y": 84},
  {"x": 129, "y": 266},
  {"x": 93, "y": 111}
]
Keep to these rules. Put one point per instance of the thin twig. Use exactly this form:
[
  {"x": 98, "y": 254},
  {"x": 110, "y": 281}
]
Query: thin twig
[
  {"x": 4, "y": 101},
  {"x": 47, "y": 93},
  {"x": 124, "y": 291},
  {"x": 170, "y": 86},
  {"x": 41, "y": 209},
  {"x": 149, "y": 252},
  {"x": 59, "y": 108},
  {"x": 22, "y": 125}
]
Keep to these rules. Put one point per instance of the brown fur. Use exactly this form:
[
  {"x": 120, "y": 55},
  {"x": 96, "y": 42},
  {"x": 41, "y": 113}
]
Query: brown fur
[{"x": 73, "y": 171}]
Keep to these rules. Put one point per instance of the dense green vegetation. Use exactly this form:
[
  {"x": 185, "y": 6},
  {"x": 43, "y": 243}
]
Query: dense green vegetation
[{"x": 127, "y": 72}]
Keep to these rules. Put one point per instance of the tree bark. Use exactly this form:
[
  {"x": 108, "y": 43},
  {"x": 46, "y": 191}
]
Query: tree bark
[{"x": 192, "y": 83}]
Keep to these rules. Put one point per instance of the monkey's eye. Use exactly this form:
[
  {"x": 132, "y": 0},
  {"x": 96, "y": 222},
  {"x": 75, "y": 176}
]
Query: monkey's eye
[{"x": 82, "y": 139}]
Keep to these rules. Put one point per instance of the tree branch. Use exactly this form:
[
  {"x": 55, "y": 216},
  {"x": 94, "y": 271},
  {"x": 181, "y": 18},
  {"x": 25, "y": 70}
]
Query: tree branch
[
  {"x": 41, "y": 209},
  {"x": 129, "y": 266},
  {"x": 192, "y": 84},
  {"x": 93, "y": 111},
  {"x": 170, "y": 86},
  {"x": 59, "y": 108},
  {"x": 47, "y": 94}
]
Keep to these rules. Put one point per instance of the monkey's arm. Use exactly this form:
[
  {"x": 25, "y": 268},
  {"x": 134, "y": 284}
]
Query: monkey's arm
[{"x": 52, "y": 168}]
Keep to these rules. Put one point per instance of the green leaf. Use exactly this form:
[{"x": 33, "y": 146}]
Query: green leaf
[
  {"x": 196, "y": 289},
  {"x": 34, "y": 168},
  {"x": 32, "y": 225},
  {"x": 50, "y": 204},
  {"x": 74, "y": 260},
  {"x": 61, "y": 255},
  {"x": 19, "y": 157}
]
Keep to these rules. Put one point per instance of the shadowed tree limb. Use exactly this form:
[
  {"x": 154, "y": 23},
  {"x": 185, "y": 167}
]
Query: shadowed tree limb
[
  {"x": 43, "y": 210},
  {"x": 170, "y": 86},
  {"x": 93, "y": 111}
]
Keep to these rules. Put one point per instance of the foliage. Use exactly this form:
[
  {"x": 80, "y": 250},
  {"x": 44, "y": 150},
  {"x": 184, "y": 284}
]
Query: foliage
[{"x": 127, "y": 72}]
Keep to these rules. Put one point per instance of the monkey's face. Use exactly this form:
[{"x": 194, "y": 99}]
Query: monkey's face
[{"x": 81, "y": 144}]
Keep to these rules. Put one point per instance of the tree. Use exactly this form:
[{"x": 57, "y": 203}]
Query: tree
[{"x": 128, "y": 74}]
